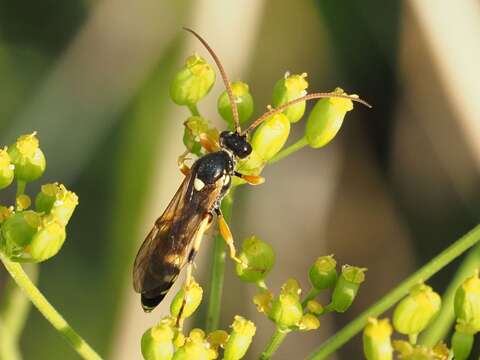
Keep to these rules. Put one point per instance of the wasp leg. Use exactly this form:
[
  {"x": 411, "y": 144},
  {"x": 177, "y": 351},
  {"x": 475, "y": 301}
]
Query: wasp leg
[
  {"x": 208, "y": 143},
  {"x": 204, "y": 225},
  {"x": 251, "y": 179},
  {"x": 227, "y": 236},
  {"x": 185, "y": 170}
]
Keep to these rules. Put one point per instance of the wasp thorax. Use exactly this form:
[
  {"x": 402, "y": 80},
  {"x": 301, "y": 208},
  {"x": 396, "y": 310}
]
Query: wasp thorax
[{"x": 236, "y": 143}]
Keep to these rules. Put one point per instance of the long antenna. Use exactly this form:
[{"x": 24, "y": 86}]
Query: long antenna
[
  {"x": 224, "y": 77},
  {"x": 303, "y": 98}
]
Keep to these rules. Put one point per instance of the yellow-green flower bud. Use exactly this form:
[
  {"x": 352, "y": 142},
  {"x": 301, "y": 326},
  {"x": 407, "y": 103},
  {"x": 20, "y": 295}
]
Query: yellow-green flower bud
[
  {"x": 270, "y": 136},
  {"x": 193, "y": 298},
  {"x": 467, "y": 302},
  {"x": 240, "y": 339},
  {"x": 5, "y": 213},
  {"x": 65, "y": 203},
  {"x": 194, "y": 127},
  {"x": 46, "y": 243},
  {"x": 243, "y": 99},
  {"x": 377, "y": 344},
  {"x": 315, "y": 307},
  {"x": 415, "y": 311},
  {"x": 6, "y": 169},
  {"x": 27, "y": 157},
  {"x": 195, "y": 348},
  {"x": 217, "y": 338},
  {"x": 409, "y": 352},
  {"x": 309, "y": 322},
  {"x": 292, "y": 287},
  {"x": 462, "y": 342},
  {"x": 286, "y": 310},
  {"x": 323, "y": 273},
  {"x": 289, "y": 88},
  {"x": 46, "y": 197},
  {"x": 192, "y": 82},
  {"x": 252, "y": 165},
  {"x": 263, "y": 301},
  {"x": 23, "y": 202},
  {"x": 326, "y": 118},
  {"x": 157, "y": 342},
  {"x": 259, "y": 258},
  {"x": 18, "y": 231},
  {"x": 346, "y": 287},
  {"x": 179, "y": 340}
]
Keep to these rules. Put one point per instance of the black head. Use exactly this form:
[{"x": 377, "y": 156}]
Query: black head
[{"x": 236, "y": 143}]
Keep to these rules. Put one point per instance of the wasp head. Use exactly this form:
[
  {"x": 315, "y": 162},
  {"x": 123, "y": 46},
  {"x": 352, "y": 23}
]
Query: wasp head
[{"x": 236, "y": 143}]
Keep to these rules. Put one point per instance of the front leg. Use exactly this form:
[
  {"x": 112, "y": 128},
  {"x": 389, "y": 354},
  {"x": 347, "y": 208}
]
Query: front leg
[{"x": 250, "y": 179}]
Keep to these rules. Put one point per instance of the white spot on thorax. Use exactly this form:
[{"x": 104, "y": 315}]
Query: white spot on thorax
[
  {"x": 198, "y": 184},
  {"x": 226, "y": 179}
]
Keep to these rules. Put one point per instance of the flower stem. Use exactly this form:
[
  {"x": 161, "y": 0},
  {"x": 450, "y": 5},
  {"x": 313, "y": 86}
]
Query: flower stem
[
  {"x": 47, "y": 310},
  {"x": 423, "y": 274},
  {"x": 194, "y": 110},
  {"x": 20, "y": 187},
  {"x": 274, "y": 343},
  {"x": 440, "y": 327},
  {"x": 13, "y": 314},
  {"x": 218, "y": 270},
  {"x": 300, "y": 144}
]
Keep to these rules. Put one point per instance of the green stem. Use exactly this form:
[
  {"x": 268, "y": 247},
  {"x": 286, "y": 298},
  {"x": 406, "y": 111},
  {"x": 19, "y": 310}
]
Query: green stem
[
  {"x": 20, "y": 187},
  {"x": 423, "y": 274},
  {"x": 443, "y": 322},
  {"x": 300, "y": 144},
  {"x": 194, "y": 110},
  {"x": 218, "y": 270},
  {"x": 13, "y": 315},
  {"x": 274, "y": 343},
  {"x": 312, "y": 294},
  {"x": 47, "y": 310}
]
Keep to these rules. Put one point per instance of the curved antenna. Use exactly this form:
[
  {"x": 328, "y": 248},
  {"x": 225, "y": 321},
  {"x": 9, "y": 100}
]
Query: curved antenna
[
  {"x": 300, "y": 99},
  {"x": 224, "y": 77}
]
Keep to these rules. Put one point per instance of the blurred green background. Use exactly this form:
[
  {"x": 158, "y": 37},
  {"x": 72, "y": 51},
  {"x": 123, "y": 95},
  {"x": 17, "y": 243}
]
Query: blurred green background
[{"x": 396, "y": 186}]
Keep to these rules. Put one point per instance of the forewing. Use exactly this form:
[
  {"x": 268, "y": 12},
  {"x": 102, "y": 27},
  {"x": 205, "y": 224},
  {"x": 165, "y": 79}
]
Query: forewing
[{"x": 163, "y": 253}]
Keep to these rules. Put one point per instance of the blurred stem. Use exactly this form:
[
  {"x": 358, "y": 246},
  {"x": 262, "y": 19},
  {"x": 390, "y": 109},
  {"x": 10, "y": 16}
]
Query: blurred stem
[
  {"x": 47, "y": 310},
  {"x": 423, "y": 274},
  {"x": 20, "y": 187},
  {"x": 274, "y": 343},
  {"x": 442, "y": 324},
  {"x": 300, "y": 144},
  {"x": 13, "y": 315},
  {"x": 194, "y": 110},
  {"x": 218, "y": 270}
]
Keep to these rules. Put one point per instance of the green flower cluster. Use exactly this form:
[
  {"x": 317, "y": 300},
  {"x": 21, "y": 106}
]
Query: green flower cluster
[
  {"x": 28, "y": 235},
  {"x": 287, "y": 310},
  {"x": 166, "y": 341}
]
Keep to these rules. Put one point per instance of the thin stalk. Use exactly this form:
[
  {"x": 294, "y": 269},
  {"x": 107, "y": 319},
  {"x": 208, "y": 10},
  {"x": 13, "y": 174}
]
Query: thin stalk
[
  {"x": 274, "y": 343},
  {"x": 20, "y": 187},
  {"x": 300, "y": 144},
  {"x": 443, "y": 322},
  {"x": 13, "y": 315},
  {"x": 47, "y": 310},
  {"x": 423, "y": 274},
  {"x": 218, "y": 270},
  {"x": 194, "y": 110}
]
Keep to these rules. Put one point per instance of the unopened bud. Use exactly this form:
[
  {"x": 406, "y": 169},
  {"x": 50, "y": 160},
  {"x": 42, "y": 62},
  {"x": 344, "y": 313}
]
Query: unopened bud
[
  {"x": 315, "y": 307},
  {"x": 192, "y": 82},
  {"x": 270, "y": 136},
  {"x": 18, "y": 231},
  {"x": 5, "y": 213},
  {"x": 377, "y": 343},
  {"x": 462, "y": 342},
  {"x": 240, "y": 338},
  {"x": 263, "y": 301},
  {"x": 326, "y": 118},
  {"x": 467, "y": 302},
  {"x": 193, "y": 298},
  {"x": 292, "y": 287},
  {"x": 415, "y": 311},
  {"x": 195, "y": 347},
  {"x": 157, "y": 342},
  {"x": 194, "y": 127},
  {"x": 286, "y": 310},
  {"x": 23, "y": 202},
  {"x": 259, "y": 258},
  {"x": 323, "y": 273},
  {"x": 217, "y": 338},
  {"x": 6, "y": 169},
  {"x": 346, "y": 288},
  {"x": 27, "y": 157},
  {"x": 46, "y": 243},
  {"x": 242, "y": 98},
  {"x": 309, "y": 322},
  {"x": 289, "y": 88}
]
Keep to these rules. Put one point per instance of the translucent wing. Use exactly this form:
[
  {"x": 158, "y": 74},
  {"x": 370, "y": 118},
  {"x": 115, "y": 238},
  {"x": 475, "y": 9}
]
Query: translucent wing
[{"x": 164, "y": 251}]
